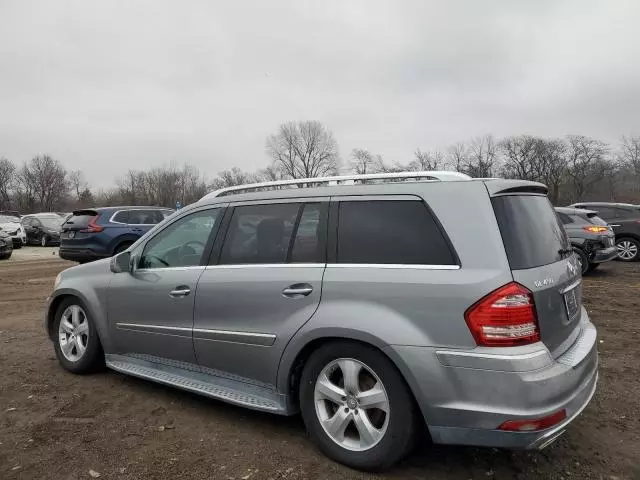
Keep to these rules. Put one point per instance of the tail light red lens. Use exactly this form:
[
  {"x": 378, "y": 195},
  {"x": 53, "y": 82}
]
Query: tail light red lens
[
  {"x": 93, "y": 227},
  {"x": 595, "y": 229},
  {"x": 534, "y": 424},
  {"x": 505, "y": 317}
]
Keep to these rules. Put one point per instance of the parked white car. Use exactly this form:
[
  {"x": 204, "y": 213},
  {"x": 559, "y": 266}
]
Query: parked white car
[{"x": 12, "y": 227}]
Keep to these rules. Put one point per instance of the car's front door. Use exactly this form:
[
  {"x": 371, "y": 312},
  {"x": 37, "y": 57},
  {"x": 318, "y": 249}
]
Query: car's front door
[
  {"x": 150, "y": 310},
  {"x": 264, "y": 284}
]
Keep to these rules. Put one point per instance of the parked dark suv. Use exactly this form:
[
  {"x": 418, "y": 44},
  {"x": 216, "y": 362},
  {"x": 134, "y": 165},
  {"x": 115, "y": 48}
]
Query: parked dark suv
[
  {"x": 624, "y": 218},
  {"x": 96, "y": 233},
  {"x": 590, "y": 236}
]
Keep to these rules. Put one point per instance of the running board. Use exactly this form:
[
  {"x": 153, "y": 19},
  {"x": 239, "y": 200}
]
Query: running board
[{"x": 227, "y": 390}]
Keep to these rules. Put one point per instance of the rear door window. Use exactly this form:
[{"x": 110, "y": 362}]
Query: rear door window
[
  {"x": 144, "y": 217},
  {"x": 400, "y": 232},
  {"x": 531, "y": 231}
]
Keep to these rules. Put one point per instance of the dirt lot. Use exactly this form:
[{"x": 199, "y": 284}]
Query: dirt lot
[{"x": 54, "y": 425}]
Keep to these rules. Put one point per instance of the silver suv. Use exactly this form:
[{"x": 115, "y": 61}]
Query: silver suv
[{"x": 374, "y": 305}]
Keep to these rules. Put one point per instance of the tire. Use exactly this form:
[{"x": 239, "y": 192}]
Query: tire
[
  {"x": 628, "y": 249},
  {"x": 593, "y": 266},
  {"x": 17, "y": 246},
  {"x": 583, "y": 260},
  {"x": 44, "y": 241},
  {"x": 5, "y": 256},
  {"x": 122, "y": 247},
  {"x": 394, "y": 432},
  {"x": 89, "y": 356}
]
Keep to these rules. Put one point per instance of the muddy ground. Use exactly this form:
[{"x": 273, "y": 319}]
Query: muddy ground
[{"x": 55, "y": 425}]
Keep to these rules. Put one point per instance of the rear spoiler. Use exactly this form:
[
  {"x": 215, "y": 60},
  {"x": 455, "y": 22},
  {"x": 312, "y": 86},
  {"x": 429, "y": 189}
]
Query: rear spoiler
[{"x": 505, "y": 187}]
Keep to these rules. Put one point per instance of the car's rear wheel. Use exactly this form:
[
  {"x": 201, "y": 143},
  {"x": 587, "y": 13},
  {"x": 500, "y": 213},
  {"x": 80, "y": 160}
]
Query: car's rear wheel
[
  {"x": 628, "y": 249},
  {"x": 583, "y": 260},
  {"x": 5, "y": 256},
  {"x": 76, "y": 343},
  {"x": 122, "y": 247},
  {"x": 356, "y": 406},
  {"x": 44, "y": 241}
]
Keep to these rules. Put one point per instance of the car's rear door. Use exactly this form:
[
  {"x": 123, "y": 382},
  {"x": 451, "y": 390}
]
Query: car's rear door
[
  {"x": 263, "y": 286},
  {"x": 541, "y": 260}
]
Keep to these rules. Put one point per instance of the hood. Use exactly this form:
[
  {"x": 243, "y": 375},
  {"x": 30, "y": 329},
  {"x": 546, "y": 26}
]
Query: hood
[{"x": 9, "y": 227}]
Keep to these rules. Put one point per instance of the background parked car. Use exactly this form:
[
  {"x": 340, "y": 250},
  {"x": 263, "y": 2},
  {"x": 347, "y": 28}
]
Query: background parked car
[
  {"x": 624, "y": 218},
  {"x": 42, "y": 228},
  {"x": 591, "y": 238},
  {"x": 97, "y": 233},
  {"x": 10, "y": 225},
  {"x": 6, "y": 246}
]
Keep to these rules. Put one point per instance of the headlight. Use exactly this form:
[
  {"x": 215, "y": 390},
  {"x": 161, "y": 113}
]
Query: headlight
[{"x": 57, "y": 282}]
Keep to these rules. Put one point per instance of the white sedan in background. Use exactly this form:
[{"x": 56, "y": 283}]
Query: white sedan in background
[{"x": 11, "y": 226}]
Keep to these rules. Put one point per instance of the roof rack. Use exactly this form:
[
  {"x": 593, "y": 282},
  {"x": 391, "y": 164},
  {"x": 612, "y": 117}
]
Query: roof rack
[{"x": 437, "y": 176}]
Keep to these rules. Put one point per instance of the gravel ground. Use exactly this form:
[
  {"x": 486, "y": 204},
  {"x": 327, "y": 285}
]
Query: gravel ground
[{"x": 55, "y": 425}]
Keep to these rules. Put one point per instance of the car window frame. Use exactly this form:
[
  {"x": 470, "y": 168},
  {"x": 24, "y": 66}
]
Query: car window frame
[
  {"x": 332, "y": 247},
  {"x": 216, "y": 253},
  {"x": 129, "y": 210},
  {"x": 158, "y": 228}
]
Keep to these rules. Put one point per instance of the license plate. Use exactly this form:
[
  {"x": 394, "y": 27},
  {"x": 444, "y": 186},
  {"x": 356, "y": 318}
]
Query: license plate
[{"x": 572, "y": 302}]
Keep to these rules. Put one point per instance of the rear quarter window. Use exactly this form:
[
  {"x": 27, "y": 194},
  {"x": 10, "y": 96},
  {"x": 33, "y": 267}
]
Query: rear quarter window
[
  {"x": 531, "y": 231},
  {"x": 402, "y": 232}
]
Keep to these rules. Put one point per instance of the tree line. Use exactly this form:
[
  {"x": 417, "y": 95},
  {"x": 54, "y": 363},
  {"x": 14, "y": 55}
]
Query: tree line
[{"x": 575, "y": 168}]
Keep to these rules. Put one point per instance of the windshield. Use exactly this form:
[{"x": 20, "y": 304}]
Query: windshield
[
  {"x": 51, "y": 222},
  {"x": 9, "y": 219}
]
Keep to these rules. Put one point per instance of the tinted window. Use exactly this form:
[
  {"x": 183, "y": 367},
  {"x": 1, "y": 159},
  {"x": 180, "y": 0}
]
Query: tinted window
[
  {"x": 605, "y": 212},
  {"x": 530, "y": 229},
  {"x": 182, "y": 243},
  {"x": 390, "y": 232},
  {"x": 144, "y": 217},
  {"x": 627, "y": 213},
  {"x": 564, "y": 218},
  {"x": 589, "y": 219},
  {"x": 308, "y": 245},
  {"x": 259, "y": 234},
  {"x": 79, "y": 220},
  {"x": 121, "y": 217}
]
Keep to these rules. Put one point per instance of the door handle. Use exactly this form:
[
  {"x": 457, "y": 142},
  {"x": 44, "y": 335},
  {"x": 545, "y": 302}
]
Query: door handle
[
  {"x": 297, "y": 290},
  {"x": 614, "y": 225},
  {"x": 180, "y": 292}
]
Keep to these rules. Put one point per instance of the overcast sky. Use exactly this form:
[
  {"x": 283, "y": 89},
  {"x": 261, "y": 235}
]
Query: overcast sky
[{"x": 111, "y": 85}]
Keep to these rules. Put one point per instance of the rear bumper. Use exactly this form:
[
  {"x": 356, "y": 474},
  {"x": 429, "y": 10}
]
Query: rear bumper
[
  {"x": 605, "y": 255},
  {"x": 81, "y": 254},
  {"x": 466, "y": 395}
]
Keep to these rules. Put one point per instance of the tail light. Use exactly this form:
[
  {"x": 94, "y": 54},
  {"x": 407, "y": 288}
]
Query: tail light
[
  {"x": 93, "y": 227},
  {"x": 595, "y": 229},
  {"x": 505, "y": 317},
  {"x": 534, "y": 424}
]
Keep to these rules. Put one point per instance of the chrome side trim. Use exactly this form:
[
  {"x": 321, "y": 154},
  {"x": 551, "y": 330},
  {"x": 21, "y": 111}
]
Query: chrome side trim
[
  {"x": 173, "y": 269},
  {"x": 393, "y": 266},
  {"x": 571, "y": 286},
  {"x": 250, "y": 338},
  {"x": 266, "y": 265},
  {"x": 158, "y": 329},
  {"x": 495, "y": 362}
]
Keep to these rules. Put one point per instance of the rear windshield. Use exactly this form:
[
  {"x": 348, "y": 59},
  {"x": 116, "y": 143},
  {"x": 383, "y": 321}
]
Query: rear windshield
[
  {"x": 531, "y": 231},
  {"x": 79, "y": 220}
]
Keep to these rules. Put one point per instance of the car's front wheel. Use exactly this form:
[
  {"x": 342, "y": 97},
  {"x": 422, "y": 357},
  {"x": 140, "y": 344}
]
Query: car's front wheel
[
  {"x": 583, "y": 260},
  {"x": 356, "y": 406},
  {"x": 628, "y": 249},
  {"x": 44, "y": 241},
  {"x": 76, "y": 343}
]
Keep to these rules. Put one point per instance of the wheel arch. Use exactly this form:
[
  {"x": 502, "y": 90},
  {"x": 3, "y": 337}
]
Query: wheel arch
[
  {"x": 299, "y": 350},
  {"x": 54, "y": 305},
  {"x": 122, "y": 239}
]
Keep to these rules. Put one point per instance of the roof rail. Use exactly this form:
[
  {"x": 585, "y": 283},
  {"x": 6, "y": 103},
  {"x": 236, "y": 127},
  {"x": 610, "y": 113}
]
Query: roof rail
[{"x": 340, "y": 180}]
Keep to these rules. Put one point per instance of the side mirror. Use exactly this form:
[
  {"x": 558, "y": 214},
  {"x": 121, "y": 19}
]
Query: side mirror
[{"x": 124, "y": 262}]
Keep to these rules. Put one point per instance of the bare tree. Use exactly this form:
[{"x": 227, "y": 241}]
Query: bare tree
[
  {"x": 7, "y": 182},
  {"x": 630, "y": 157},
  {"x": 425, "y": 160},
  {"x": 233, "y": 177},
  {"x": 482, "y": 159},
  {"x": 521, "y": 158},
  {"x": 458, "y": 156},
  {"x": 553, "y": 165},
  {"x": 363, "y": 161},
  {"x": 43, "y": 183},
  {"x": 304, "y": 149},
  {"x": 78, "y": 183},
  {"x": 585, "y": 164}
]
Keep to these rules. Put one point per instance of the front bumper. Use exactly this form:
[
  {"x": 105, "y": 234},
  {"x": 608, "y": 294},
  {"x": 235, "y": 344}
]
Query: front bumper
[
  {"x": 466, "y": 395},
  {"x": 18, "y": 240},
  {"x": 605, "y": 255}
]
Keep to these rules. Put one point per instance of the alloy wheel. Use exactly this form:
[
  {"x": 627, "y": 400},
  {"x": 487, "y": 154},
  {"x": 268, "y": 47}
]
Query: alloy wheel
[
  {"x": 352, "y": 404},
  {"x": 73, "y": 333},
  {"x": 627, "y": 250}
]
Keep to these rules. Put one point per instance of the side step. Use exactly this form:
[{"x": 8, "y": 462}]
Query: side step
[{"x": 227, "y": 390}]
